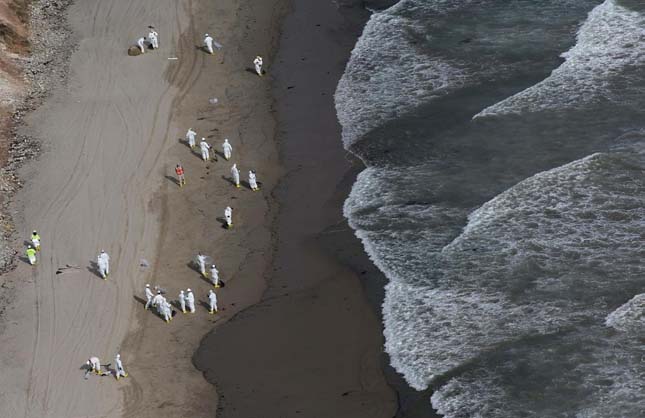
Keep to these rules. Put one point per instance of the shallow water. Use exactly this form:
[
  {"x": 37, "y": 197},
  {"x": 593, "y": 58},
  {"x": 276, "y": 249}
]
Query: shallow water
[{"x": 504, "y": 199}]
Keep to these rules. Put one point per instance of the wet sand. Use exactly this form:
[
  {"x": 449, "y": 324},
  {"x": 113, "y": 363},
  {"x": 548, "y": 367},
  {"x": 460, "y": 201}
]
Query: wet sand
[{"x": 313, "y": 346}]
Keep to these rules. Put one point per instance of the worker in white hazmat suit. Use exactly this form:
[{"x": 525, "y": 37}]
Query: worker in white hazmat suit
[
  {"x": 253, "y": 181},
  {"x": 119, "y": 371},
  {"x": 167, "y": 311},
  {"x": 35, "y": 240},
  {"x": 190, "y": 300},
  {"x": 149, "y": 296},
  {"x": 182, "y": 301},
  {"x": 214, "y": 276},
  {"x": 228, "y": 215},
  {"x": 228, "y": 149},
  {"x": 103, "y": 262},
  {"x": 95, "y": 364},
  {"x": 154, "y": 39},
  {"x": 258, "y": 65},
  {"x": 158, "y": 300},
  {"x": 141, "y": 43},
  {"x": 201, "y": 262},
  {"x": 208, "y": 43},
  {"x": 190, "y": 137},
  {"x": 236, "y": 175},
  {"x": 205, "y": 149},
  {"x": 212, "y": 302}
]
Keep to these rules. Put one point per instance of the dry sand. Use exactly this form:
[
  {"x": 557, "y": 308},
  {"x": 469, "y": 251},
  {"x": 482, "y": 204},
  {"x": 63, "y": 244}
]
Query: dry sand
[{"x": 110, "y": 140}]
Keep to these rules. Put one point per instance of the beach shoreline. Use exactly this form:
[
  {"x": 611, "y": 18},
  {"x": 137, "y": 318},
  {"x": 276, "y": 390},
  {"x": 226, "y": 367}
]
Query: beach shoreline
[{"x": 312, "y": 239}]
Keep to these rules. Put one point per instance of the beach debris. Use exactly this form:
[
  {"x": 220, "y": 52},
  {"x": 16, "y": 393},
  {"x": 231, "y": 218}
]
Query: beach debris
[
  {"x": 133, "y": 51},
  {"x": 61, "y": 270},
  {"x": 144, "y": 263},
  {"x": 213, "y": 100},
  {"x": 173, "y": 58}
]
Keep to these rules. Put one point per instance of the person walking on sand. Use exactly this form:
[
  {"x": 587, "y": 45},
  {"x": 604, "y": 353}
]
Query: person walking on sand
[
  {"x": 258, "y": 65},
  {"x": 253, "y": 181},
  {"x": 182, "y": 301},
  {"x": 190, "y": 300},
  {"x": 205, "y": 149},
  {"x": 167, "y": 311},
  {"x": 141, "y": 43},
  {"x": 201, "y": 262},
  {"x": 95, "y": 364},
  {"x": 103, "y": 262},
  {"x": 119, "y": 371},
  {"x": 179, "y": 170},
  {"x": 149, "y": 296},
  {"x": 212, "y": 302},
  {"x": 228, "y": 149},
  {"x": 31, "y": 255},
  {"x": 190, "y": 137},
  {"x": 228, "y": 215},
  {"x": 236, "y": 175},
  {"x": 208, "y": 43},
  {"x": 35, "y": 240},
  {"x": 214, "y": 275}
]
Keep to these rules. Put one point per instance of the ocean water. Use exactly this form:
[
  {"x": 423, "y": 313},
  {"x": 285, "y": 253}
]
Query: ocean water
[{"x": 504, "y": 199}]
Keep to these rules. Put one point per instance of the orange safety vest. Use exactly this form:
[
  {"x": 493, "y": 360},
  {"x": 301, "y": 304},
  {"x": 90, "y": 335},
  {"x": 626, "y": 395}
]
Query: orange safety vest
[{"x": 179, "y": 171}]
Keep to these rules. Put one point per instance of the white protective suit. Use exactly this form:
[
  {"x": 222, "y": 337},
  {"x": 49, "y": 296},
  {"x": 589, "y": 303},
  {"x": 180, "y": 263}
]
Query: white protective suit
[
  {"x": 95, "y": 364},
  {"x": 167, "y": 311},
  {"x": 190, "y": 300},
  {"x": 205, "y": 147},
  {"x": 103, "y": 262},
  {"x": 258, "y": 65},
  {"x": 201, "y": 261},
  {"x": 228, "y": 215},
  {"x": 190, "y": 137},
  {"x": 35, "y": 240},
  {"x": 214, "y": 276},
  {"x": 208, "y": 43},
  {"x": 212, "y": 301},
  {"x": 253, "y": 181},
  {"x": 154, "y": 39},
  {"x": 149, "y": 296},
  {"x": 119, "y": 371},
  {"x": 141, "y": 43},
  {"x": 182, "y": 301},
  {"x": 228, "y": 149},
  {"x": 158, "y": 300},
  {"x": 236, "y": 175}
]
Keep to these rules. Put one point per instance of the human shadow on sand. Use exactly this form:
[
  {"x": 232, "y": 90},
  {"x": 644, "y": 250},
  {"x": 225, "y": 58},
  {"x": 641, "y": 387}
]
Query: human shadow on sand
[
  {"x": 173, "y": 179},
  {"x": 252, "y": 71},
  {"x": 222, "y": 221},
  {"x": 94, "y": 268}
]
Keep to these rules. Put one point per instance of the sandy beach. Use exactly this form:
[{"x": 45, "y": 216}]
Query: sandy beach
[
  {"x": 110, "y": 138},
  {"x": 303, "y": 339}
]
